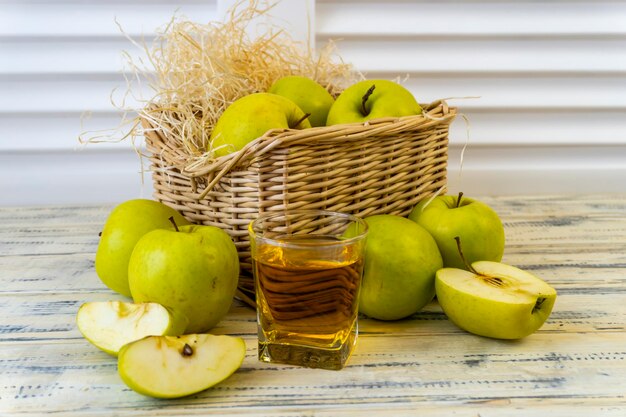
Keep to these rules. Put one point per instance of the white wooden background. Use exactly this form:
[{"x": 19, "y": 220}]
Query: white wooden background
[{"x": 551, "y": 76}]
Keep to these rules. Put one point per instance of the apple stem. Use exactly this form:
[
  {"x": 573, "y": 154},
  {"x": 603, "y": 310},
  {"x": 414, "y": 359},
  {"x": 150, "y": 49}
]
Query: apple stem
[
  {"x": 171, "y": 219},
  {"x": 302, "y": 119},
  {"x": 100, "y": 234},
  {"x": 366, "y": 96},
  {"x": 467, "y": 265},
  {"x": 458, "y": 200},
  {"x": 187, "y": 350}
]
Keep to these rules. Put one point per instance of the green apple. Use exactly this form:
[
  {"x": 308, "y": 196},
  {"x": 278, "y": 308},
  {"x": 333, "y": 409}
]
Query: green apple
[
  {"x": 401, "y": 260},
  {"x": 310, "y": 96},
  {"x": 494, "y": 299},
  {"x": 127, "y": 223},
  {"x": 478, "y": 226},
  {"x": 372, "y": 99},
  {"x": 173, "y": 367},
  {"x": 109, "y": 325},
  {"x": 192, "y": 270},
  {"x": 250, "y": 117}
]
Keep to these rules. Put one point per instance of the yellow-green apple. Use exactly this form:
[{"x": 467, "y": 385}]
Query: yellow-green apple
[
  {"x": 372, "y": 99},
  {"x": 126, "y": 224},
  {"x": 478, "y": 226},
  {"x": 192, "y": 270},
  {"x": 401, "y": 259},
  {"x": 109, "y": 325},
  {"x": 494, "y": 299},
  {"x": 173, "y": 367},
  {"x": 310, "y": 96},
  {"x": 250, "y": 117}
]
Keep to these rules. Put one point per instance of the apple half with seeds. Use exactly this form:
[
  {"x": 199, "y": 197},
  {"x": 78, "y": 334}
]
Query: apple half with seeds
[
  {"x": 494, "y": 299},
  {"x": 177, "y": 366},
  {"x": 109, "y": 325}
]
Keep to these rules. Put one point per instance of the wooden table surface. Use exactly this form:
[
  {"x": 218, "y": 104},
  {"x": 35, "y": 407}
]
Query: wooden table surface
[{"x": 574, "y": 366}]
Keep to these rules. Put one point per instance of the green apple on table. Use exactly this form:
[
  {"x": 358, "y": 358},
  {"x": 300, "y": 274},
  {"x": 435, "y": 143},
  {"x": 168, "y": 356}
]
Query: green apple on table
[
  {"x": 250, "y": 117},
  {"x": 372, "y": 99},
  {"x": 494, "y": 299},
  {"x": 173, "y": 367},
  {"x": 310, "y": 96},
  {"x": 109, "y": 325},
  {"x": 401, "y": 260},
  {"x": 126, "y": 224},
  {"x": 478, "y": 226},
  {"x": 192, "y": 270}
]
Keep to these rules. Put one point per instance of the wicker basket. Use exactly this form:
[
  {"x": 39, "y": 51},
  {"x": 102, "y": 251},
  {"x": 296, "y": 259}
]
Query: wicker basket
[{"x": 384, "y": 166}]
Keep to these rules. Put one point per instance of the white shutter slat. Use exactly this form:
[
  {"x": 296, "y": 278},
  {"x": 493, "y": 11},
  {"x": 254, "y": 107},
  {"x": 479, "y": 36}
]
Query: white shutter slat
[
  {"x": 470, "y": 18},
  {"x": 95, "y": 19},
  {"x": 76, "y": 56},
  {"x": 575, "y": 56},
  {"x": 75, "y": 177},
  {"x": 51, "y": 94}
]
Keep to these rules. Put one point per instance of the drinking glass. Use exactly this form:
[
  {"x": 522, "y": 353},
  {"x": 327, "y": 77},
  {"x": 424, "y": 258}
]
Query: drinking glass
[{"x": 308, "y": 266}]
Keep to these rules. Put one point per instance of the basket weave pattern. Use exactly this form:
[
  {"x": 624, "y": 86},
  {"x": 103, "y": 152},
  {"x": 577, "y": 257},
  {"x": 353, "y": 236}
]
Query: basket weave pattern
[{"x": 385, "y": 166}]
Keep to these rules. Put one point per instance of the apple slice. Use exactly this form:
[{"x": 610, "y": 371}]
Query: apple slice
[
  {"x": 177, "y": 366},
  {"x": 494, "y": 299},
  {"x": 109, "y": 325}
]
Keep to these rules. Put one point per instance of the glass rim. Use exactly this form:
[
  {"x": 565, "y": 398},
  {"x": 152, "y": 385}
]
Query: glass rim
[{"x": 282, "y": 243}]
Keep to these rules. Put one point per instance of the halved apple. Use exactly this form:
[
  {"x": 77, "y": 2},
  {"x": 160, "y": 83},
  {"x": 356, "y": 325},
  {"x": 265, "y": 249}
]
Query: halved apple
[
  {"x": 494, "y": 300},
  {"x": 109, "y": 325},
  {"x": 177, "y": 366}
]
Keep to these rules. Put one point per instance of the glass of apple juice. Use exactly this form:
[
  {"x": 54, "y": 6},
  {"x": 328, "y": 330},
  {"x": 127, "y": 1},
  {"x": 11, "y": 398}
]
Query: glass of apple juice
[{"x": 308, "y": 266}]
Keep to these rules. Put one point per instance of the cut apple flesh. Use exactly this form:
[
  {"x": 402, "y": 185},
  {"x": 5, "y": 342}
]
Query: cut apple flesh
[
  {"x": 500, "y": 282},
  {"x": 112, "y": 324},
  {"x": 177, "y": 366},
  {"x": 501, "y": 301},
  {"x": 514, "y": 281}
]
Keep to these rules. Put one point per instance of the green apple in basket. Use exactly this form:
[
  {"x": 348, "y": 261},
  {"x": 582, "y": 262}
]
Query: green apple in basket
[
  {"x": 310, "y": 96},
  {"x": 494, "y": 299},
  {"x": 126, "y": 224},
  {"x": 478, "y": 226},
  {"x": 250, "y": 117},
  {"x": 192, "y": 270},
  {"x": 401, "y": 260},
  {"x": 173, "y": 367},
  {"x": 109, "y": 325},
  {"x": 372, "y": 99}
]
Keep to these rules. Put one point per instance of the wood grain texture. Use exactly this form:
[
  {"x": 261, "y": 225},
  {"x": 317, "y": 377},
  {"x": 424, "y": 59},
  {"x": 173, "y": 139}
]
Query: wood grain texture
[{"x": 575, "y": 365}]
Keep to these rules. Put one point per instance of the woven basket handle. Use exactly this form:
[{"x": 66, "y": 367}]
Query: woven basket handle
[{"x": 224, "y": 165}]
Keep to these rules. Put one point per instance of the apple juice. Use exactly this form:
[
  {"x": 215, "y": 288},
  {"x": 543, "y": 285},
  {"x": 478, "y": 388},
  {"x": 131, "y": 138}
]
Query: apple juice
[{"x": 307, "y": 301}]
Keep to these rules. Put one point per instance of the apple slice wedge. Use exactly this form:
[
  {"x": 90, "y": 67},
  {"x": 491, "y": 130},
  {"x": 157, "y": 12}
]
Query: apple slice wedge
[
  {"x": 494, "y": 299},
  {"x": 177, "y": 366},
  {"x": 109, "y": 325}
]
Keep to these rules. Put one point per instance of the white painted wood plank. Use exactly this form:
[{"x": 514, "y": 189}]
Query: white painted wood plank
[
  {"x": 71, "y": 177},
  {"x": 536, "y": 127},
  {"x": 69, "y": 94},
  {"x": 95, "y": 19},
  {"x": 485, "y": 55},
  {"x": 427, "y": 19},
  {"x": 59, "y": 131},
  {"x": 76, "y": 55},
  {"x": 499, "y": 92},
  {"x": 88, "y": 381}
]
